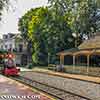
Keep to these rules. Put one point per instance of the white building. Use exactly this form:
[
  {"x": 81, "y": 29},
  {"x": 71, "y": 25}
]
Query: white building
[{"x": 16, "y": 44}]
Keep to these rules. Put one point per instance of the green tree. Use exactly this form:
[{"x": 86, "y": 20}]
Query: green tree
[
  {"x": 51, "y": 28},
  {"x": 30, "y": 27},
  {"x": 47, "y": 32}
]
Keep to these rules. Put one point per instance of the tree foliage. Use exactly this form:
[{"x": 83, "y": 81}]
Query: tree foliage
[
  {"x": 3, "y": 3},
  {"x": 49, "y": 34},
  {"x": 51, "y": 29},
  {"x": 80, "y": 14},
  {"x": 30, "y": 26}
]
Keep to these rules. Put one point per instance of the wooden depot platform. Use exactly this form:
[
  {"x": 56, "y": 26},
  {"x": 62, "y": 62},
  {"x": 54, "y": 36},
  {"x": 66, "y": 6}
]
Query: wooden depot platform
[{"x": 67, "y": 75}]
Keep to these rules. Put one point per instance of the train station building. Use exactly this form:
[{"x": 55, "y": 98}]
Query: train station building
[{"x": 86, "y": 54}]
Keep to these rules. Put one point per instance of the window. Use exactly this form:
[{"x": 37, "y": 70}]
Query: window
[
  {"x": 1, "y": 46},
  {"x": 5, "y": 36},
  {"x": 5, "y": 46},
  {"x": 10, "y": 47},
  {"x": 20, "y": 47}
]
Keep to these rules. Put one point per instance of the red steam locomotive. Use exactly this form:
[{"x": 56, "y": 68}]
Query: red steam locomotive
[{"x": 8, "y": 66}]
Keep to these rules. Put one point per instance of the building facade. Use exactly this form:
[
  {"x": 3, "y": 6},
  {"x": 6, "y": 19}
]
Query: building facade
[{"x": 17, "y": 45}]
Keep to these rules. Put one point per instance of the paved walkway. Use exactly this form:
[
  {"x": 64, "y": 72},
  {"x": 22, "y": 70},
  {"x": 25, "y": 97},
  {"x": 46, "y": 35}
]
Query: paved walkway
[
  {"x": 24, "y": 69},
  {"x": 14, "y": 90}
]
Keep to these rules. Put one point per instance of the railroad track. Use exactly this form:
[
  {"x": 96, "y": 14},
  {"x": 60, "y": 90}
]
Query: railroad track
[{"x": 57, "y": 93}]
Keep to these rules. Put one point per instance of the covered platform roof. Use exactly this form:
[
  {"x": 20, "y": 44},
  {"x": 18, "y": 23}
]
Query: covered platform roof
[
  {"x": 69, "y": 51},
  {"x": 76, "y": 51},
  {"x": 88, "y": 47}
]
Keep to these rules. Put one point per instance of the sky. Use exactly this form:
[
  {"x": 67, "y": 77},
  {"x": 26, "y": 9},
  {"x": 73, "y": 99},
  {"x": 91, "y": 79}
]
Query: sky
[{"x": 17, "y": 9}]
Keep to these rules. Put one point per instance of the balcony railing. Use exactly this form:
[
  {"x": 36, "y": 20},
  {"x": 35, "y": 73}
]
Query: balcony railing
[{"x": 17, "y": 51}]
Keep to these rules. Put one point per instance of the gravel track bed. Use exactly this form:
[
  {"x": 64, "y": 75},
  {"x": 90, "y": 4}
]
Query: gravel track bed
[
  {"x": 57, "y": 93},
  {"x": 83, "y": 88}
]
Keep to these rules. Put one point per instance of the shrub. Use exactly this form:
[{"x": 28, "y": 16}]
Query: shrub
[{"x": 30, "y": 66}]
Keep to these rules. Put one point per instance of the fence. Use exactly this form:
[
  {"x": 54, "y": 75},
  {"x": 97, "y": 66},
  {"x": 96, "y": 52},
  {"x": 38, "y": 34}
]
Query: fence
[{"x": 93, "y": 71}]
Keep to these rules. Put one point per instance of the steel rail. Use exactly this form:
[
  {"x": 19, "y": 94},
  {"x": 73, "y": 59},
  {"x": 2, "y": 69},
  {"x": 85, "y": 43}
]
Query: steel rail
[{"x": 57, "y": 93}]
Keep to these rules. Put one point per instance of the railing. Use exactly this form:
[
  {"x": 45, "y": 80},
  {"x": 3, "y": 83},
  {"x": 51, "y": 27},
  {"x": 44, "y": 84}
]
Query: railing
[
  {"x": 86, "y": 70},
  {"x": 18, "y": 51}
]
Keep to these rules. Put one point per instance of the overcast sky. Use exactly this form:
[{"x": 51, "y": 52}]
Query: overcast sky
[{"x": 10, "y": 19}]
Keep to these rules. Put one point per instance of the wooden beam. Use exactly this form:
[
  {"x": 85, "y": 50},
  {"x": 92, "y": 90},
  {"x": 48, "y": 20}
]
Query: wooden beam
[
  {"x": 73, "y": 63},
  {"x": 62, "y": 59},
  {"x": 88, "y": 62},
  {"x": 73, "y": 59}
]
